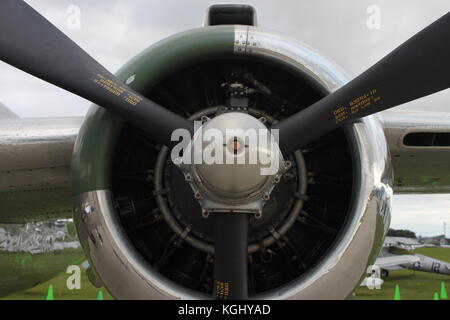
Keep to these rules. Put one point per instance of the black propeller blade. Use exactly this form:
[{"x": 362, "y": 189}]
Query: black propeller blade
[
  {"x": 31, "y": 43},
  {"x": 417, "y": 68},
  {"x": 230, "y": 256}
]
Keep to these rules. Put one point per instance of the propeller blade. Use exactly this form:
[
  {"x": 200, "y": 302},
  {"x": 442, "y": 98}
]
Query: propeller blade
[
  {"x": 230, "y": 256},
  {"x": 31, "y": 43},
  {"x": 417, "y": 68}
]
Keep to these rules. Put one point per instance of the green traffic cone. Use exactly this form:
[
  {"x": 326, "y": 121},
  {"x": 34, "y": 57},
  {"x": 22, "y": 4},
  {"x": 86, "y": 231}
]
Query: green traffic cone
[
  {"x": 443, "y": 291},
  {"x": 100, "y": 295},
  {"x": 397, "y": 293},
  {"x": 436, "y": 296},
  {"x": 50, "y": 293}
]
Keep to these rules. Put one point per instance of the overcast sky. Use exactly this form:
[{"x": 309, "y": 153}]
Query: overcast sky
[{"x": 345, "y": 31}]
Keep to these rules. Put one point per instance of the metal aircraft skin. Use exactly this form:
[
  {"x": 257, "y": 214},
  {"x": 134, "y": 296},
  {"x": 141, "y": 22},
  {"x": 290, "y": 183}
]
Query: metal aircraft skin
[{"x": 103, "y": 188}]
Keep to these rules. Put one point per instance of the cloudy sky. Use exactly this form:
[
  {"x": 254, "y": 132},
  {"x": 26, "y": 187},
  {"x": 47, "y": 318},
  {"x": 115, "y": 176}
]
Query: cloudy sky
[{"x": 348, "y": 32}]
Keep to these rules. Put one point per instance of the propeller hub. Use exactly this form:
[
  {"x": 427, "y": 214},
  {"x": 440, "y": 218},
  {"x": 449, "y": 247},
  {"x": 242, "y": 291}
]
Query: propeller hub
[
  {"x": 236, "y": 163},
  {"x": 236, "y": 171}
]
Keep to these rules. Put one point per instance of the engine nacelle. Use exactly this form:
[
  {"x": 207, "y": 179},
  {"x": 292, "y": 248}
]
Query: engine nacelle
[{"x": 139, "y": 223}]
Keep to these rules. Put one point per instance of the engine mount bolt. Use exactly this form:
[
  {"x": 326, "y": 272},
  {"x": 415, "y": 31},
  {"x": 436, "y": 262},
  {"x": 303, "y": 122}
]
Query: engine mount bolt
[
  {"x": 266, "y": 197},
  {"x": 205, "y": 213},
  {"x": 287, "y": 165}
]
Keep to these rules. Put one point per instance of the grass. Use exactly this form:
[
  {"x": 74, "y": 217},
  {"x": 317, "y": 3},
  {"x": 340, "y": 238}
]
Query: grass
[
  {"x": 60, "y": 290},
  {"x": 414, "y": 285}
]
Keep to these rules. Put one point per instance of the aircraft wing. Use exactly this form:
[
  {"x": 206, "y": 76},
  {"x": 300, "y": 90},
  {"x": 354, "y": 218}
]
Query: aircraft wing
[
  {"x": 35, "y": 200},
  {"x": 395, "y": 262},
  {"x": 419, "y": 143},
  {"x": 34, "y": 168}
]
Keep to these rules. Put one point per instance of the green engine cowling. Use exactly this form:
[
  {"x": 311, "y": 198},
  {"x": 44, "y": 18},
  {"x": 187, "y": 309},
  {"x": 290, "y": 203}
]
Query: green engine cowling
[{"x": 326, "y": 258}]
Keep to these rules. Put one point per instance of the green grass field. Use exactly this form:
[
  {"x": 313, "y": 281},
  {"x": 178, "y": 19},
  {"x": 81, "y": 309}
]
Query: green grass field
[
  {"x": 414, "y": 285},
  {"x": 60, "y": 290}
]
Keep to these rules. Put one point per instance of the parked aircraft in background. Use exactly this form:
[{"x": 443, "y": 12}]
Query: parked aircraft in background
[{"x": 397, "y": 253}]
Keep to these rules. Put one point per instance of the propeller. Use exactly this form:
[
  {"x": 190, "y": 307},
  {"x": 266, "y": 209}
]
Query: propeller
[
  {"x": 417, "y": 68},
  {"x": 230, "y": 255},
  {"x": 31, "y": 43}
]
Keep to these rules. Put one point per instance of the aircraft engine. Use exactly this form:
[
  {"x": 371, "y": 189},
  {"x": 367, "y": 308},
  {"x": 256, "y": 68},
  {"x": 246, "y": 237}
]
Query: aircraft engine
[{"x": 139, "y": 221}]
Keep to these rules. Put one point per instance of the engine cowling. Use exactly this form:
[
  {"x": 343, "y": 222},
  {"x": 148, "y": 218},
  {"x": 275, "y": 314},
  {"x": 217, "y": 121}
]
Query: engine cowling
[{"x": 139, "y": 222}]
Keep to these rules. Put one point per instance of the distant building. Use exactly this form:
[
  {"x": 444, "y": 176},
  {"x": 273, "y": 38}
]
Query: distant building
[
  {"x": 37, "y": 237},
  {"x": 439, "y": 240},
  {"x": 402, "y": 242}
]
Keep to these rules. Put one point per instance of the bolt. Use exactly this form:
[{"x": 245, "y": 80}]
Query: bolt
[
  {"x": 287, "y": 164},
  {"x": 198, "y": 195}
]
